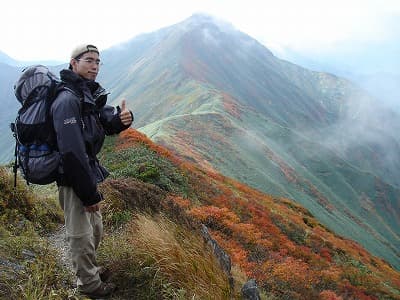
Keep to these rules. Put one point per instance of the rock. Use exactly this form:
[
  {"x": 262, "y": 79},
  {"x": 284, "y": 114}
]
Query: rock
[
  {"x": 250, "y": 290},
  {"x": 29, "y": 255},
  {"x": 8, "y": 264},
  {"x": 223, "y": 258}
]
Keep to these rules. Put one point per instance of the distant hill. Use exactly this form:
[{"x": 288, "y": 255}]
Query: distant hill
[
  {"x": 8, "y": 76},
  {"x": 381, "y": 81},
  {"x": 5, "y": 59},
  {"x": 222, "y": 100}
]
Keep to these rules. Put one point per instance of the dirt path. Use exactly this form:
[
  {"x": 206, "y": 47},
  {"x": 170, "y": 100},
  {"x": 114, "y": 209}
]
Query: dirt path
[{"x": 58, "y": 241}]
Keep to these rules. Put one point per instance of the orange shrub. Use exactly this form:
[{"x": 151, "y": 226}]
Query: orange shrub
[{"x": 329, "y": 295}]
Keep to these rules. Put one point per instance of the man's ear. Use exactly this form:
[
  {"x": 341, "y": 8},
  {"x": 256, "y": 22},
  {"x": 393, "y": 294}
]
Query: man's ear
[{"x": 73, "y": 63}]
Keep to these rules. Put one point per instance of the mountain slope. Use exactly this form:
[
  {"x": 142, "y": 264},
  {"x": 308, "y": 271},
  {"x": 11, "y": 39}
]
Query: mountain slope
[
  {"x": 221, "y": 99},
  {"x": 275, "y": 240}
]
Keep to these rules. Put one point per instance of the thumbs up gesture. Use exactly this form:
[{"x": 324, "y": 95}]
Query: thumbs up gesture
[{"x": 125, "y": 115}]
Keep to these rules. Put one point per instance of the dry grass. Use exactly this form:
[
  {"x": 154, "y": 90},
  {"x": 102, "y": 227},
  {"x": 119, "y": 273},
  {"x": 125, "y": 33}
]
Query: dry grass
[
  {"x": 167, "y": 261},
  {"x": 180, "y": 257}
]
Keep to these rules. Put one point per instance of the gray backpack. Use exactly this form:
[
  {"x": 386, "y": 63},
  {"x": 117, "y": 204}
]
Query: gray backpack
[{"x": 35, "y": 142}]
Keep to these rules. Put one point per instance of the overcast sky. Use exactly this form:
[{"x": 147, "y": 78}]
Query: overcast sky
[{"x": 49, "y": 29}]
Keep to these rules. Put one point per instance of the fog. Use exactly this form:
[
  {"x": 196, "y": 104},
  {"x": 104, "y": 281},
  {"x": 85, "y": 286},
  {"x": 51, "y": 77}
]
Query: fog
[{"x": 365, "y": 135}]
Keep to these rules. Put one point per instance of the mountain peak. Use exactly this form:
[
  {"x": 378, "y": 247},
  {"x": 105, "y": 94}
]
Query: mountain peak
[
  {"x": 201, "y": 17},
  {"x": 204, "y": 19}
]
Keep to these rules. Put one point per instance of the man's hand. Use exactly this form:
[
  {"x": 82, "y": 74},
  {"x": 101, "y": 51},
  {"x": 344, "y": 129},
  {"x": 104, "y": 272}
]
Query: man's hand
[
  {"x": 125, "y": 115},
  {"x": 92, "y": 208}
]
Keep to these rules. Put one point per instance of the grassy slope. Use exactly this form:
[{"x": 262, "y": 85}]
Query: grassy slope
[
  {"x": 241, "y": 143},
  {"x": 154, "y": 206},
  {"x": 272, "y": 239}
]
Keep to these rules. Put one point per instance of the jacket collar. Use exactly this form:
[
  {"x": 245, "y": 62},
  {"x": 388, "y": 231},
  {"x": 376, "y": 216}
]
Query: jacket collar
[
  {"x": 89, "y": 89},
  {"x": 71, "y": 77}
]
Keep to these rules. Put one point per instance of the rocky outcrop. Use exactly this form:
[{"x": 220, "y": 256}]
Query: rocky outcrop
[
  {"x": 223, "y": 258},
  {"x": 250, "y": 290}
]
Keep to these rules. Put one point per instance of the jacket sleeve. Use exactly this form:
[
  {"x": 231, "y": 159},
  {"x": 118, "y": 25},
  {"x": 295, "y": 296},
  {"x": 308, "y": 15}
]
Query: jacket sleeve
[
  {"x": 75, "y": 162},
  {"x": 109, "y": 118}
]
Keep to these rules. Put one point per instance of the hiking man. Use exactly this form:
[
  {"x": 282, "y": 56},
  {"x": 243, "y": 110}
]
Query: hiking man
[{"x": 81, "y": 120}]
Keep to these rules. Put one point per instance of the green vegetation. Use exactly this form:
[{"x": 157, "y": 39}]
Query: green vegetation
[{"x": 146, "y": 165}]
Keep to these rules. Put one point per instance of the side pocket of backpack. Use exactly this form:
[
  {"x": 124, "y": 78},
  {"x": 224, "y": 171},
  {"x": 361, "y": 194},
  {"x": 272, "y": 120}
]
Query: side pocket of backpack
[{"x": 39, "y": 164}]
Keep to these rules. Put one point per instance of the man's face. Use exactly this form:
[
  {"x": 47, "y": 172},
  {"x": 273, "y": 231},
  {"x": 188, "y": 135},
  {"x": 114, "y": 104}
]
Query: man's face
[{"x": 87, "y": 65}]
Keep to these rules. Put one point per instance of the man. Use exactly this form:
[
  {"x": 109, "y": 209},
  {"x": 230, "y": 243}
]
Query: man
[{"x": 81, "y": 120}]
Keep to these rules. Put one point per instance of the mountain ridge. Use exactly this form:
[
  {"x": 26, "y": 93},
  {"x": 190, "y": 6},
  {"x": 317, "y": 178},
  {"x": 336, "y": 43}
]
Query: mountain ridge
[{"x": 210, "y": 92}]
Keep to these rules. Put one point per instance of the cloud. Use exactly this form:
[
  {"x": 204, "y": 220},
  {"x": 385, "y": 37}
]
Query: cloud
[{"x": 366, "y": 134}]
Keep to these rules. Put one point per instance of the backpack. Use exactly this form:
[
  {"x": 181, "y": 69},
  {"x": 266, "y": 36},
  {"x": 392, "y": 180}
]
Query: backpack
[{"x": 36, "y": 151}]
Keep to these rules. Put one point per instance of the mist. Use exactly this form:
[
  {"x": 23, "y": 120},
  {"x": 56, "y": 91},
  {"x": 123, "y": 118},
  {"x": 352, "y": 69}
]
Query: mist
[{"x": 366, "y": 135}]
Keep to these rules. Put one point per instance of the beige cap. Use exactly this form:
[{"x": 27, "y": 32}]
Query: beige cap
[{"x": 82, "y": 49}]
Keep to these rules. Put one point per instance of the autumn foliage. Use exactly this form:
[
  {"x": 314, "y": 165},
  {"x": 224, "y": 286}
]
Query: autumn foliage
[{"x": 275, "y": 240}]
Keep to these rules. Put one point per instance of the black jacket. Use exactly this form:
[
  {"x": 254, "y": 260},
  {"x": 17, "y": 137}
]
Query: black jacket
[{"x": 81, "y": 120}]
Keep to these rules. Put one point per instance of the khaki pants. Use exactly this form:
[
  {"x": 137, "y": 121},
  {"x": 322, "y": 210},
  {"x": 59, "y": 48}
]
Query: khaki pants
[{"x": 84, "y": 231}]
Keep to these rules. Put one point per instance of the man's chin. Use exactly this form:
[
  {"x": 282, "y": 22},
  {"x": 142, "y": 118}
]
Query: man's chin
[{"x": 91, "y": 77}]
